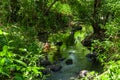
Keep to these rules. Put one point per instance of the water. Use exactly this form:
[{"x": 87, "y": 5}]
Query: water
[{"x": 80, "y": 62}]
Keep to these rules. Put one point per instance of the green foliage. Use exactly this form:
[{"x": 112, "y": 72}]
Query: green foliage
[
  {"x": 58, "y": 37},
  {"x": 109, "y": 52},
  {"x": 20, "y": 55},
  {"x": 7, "y": 63},
  {"x": 22, "y": 20},
  {"x": 112, "y": 73},
  {"x": 109, "y": 48},
  {"x": 62, "y": 8}
]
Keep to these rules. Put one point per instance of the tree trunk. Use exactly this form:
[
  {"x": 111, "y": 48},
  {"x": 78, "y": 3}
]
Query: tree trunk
[
  {"x": 95, "y": 22},
  {"x": 46, "y": 12}
]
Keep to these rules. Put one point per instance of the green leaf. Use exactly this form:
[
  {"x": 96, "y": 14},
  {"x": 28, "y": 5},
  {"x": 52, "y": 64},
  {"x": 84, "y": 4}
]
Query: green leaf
[
  {"x": 5, "y": 33},
  {"x": 1, "y": 32},
  {"x": 5, "y": 49},
  {"x": 18, "y": 77},
  {"x": 4, "y": 73},
  {"x": 36, "y": 70},
  {"x": 8, "y": 61},
  {"x": 23, "y": 49},
  {"x": 2, "y": 61},
  {"x": 2, "y": 54},
  {"x": 21, "y": 62},
  {"x": 23, "y": 69},
  {"x": 42, "y": 68},
  {"x": 10, "y": 54},
  {"x": 41, "y": 74},
  {"x": 11, "y": 41}
]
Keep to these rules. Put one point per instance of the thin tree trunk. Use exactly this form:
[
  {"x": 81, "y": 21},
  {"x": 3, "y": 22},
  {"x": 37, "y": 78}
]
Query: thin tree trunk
[
  {"x": 95, "y": 22},
  {"x": 50, "y": 6}
]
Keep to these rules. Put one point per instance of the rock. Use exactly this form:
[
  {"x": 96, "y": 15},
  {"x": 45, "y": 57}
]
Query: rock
[
  {"x": 92, "y": 57},
  {"x": 74, "y": 29},
  {"x": 70, "y": 53},
  {"x": 82, "y": 73},
  {"x": 46, "y": 71},
  {"x": 61, "y": 59},
  {"x": 69, "y": 62},
  {"x": 55, "y": 68},
  {"x": 45, "y": 63},
  {"x": 51, "y": 68},
  {"x": 59, "y": 43}
]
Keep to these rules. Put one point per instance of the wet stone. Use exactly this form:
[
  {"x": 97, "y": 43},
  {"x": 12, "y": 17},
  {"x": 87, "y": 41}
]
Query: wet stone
[
  {"x": 46, "y": 71},
  {"x": 92, "y": 57},
  {"x": 69, "y": 62},
  {"x": 55, "y": 68},
  {"x": 61, "y": 59},
  {"x": 82, "y": 73},
  {"x": 45, "y": 63}
]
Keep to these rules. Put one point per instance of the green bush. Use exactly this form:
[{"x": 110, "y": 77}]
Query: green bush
[
  {"x": 112, "y": 72},
  {"x": 19, "y": 54}
]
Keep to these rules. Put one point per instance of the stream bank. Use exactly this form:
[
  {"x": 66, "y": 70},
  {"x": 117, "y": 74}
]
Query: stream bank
[
  {"x": 79, "y": 62},
  {"x": 75, "y": 61}
]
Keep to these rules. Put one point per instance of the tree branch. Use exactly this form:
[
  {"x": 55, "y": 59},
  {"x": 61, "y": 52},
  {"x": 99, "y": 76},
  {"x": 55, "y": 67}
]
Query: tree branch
[{"x": 50, "y": 6}]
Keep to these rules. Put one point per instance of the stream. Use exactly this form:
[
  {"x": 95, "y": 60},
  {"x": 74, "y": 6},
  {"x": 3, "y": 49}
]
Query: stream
[
  {"x": 80, "y": 62},
  {"x": 77, "y": 54}
]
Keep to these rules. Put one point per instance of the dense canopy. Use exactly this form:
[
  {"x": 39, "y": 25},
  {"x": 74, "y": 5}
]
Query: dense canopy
[{"x": 36, "y": 37}]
